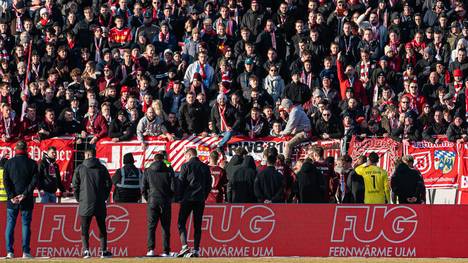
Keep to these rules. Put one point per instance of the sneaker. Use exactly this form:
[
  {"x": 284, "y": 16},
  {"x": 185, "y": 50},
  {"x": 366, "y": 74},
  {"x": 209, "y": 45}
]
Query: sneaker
[
  {"x": 106, "y": 254},
  {"x": 27, "y": 255},
  {"x": 195, "y": 254},
  {"x": 185, "y": 249},
  {"x": 150, "y": 253},
  {"x": 168, "y": 255},
  {"x": 10, "y": 255},
  {"x": 86, "y": 254}
]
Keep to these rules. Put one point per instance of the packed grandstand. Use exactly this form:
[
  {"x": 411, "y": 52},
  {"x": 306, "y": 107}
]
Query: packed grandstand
[{"x": 339, "y": 79}]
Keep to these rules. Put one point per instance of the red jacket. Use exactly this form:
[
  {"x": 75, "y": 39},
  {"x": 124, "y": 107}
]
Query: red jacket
[
  {"x": 416, "y": 102},
  {"x": 358, "y": 88},
  {"x": 14, "y": 128},
  {"x": 96, "y": 127},
  {"x": 29, "y": 128},
  {"x": 121, "y": 36}
]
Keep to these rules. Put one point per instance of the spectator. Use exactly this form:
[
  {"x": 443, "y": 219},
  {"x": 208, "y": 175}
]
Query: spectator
[
  {"x": 457, "y": 130},
  {"x": 256, "y": 125},
  {"x": 191, "y": 116},
  {"x": 127, "y": 181},
  {"x": 49, "y": 179},
  {"x": 121, "y": 129},
  {"x": 9, "y": 126},
  {"x": 407, "y": 183},
  {"x": 94, "y": 125},
  {"x": 150, "y": 125},
  {"x": 298, "y": 126},
  {"x": 226, "y": 120},
  {"x": 49, "y": 128},
  {"x": 310, "y": 184}
]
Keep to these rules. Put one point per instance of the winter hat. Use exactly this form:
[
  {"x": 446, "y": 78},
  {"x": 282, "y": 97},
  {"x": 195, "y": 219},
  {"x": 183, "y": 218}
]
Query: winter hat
[
  {"x": 458, "y": 73},
  {"x": 128, "y": 158}
]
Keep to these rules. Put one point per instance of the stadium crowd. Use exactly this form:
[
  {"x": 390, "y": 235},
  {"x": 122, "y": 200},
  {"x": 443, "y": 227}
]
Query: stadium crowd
[{"x": 300, "y": 69}]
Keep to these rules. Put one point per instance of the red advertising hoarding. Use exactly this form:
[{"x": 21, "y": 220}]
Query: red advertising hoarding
[{"x": 266, "y": 230}]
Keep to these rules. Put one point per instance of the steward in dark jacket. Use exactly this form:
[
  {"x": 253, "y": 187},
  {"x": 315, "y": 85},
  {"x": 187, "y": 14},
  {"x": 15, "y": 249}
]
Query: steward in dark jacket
[
  {"x": 127, "y": 181},
  {"x": 355, "y": 184},
  {"x": 92, "y": 185},
  {"x": 49, "y": 175},
  {"x": 311, "y": 187},
  {"x": 241, "y": 184},
  {"x": 269, "y": 184},
  {"x": 408, "y": 183},
  {"x": 158, "y": 190}
]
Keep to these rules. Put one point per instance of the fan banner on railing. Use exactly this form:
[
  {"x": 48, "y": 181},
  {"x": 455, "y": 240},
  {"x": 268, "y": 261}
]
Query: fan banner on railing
[
  {"x": 36, "y": 149},
  {"x": 387, "y": 149},
  {"x": 111, "y": 153},
  {"x": 437, "y": 162}
]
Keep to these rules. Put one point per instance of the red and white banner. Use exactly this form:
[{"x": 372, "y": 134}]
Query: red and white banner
[
  {"x": 264, "y": 230},
  {"x": 387, "y": 149},
  {"x": 203, "y": 145},
  {"x": 255, "y": 146},
  {"x": 36, "y": 149},
  {"x": 111, "y": 153},
  {"x": 331, "y": 148},
  {"x": 437, "y": 162}
]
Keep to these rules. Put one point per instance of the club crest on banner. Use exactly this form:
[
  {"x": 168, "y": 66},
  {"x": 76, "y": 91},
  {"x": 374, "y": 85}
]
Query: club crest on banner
[
  {"x": 423, "y": 161},
  {"x": 444, "y": 161}
]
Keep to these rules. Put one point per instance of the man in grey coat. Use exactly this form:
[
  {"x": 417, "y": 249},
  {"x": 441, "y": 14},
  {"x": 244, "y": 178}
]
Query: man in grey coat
[
  {"x": 92, "y": 185},
  {"x": 298, "y": 126}
]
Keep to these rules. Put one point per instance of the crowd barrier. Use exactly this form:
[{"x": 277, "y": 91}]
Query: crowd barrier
[
  {"x": 243, "y": 230},
  {"x": 444, "y": 165}
]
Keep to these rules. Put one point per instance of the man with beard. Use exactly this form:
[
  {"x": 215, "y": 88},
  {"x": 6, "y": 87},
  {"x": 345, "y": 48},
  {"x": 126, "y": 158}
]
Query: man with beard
[
  {"x": 49, "y": 180},
  {"x": 151, "y": 125}
]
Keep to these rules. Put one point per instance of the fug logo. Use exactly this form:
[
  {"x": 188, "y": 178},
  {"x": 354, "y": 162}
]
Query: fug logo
[
  {"x": 60, "y": 222},
  {"x": 367, "y": 224},
  {"x": 225, "y": 223}
]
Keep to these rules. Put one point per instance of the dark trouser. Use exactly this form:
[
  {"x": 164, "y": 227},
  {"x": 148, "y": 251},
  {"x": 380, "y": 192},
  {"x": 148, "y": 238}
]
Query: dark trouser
[
  {"x": 154, "y": 214},
  {"x": 26, "y": 217},
  {"x": 185, "y": 209},
  {"x": 101, "y": 222}
]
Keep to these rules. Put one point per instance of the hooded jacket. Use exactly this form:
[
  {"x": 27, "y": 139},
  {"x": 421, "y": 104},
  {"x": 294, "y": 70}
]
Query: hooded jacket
[
  {"x": 92, "y": 185},
  {"x": 158, "y": 184},
  {"x": 269, "y": 185},
  {"x": 406, "y": 183},
  {"x": 310, "y": 184},
  {"x": 195, "y": 181},
  {"x": 241, "y": 184}
]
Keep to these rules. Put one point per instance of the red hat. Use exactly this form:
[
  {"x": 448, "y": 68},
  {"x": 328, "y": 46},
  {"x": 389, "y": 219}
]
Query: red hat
[
  {"x": 124, "y": 89},
  {"x": 197, "y": 76},
  {"x": 409, "y": 45},
  {"x": 458, "y": 73}
]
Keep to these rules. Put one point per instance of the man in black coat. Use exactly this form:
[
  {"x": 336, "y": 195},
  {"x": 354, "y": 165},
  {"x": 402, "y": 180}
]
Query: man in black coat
[
  {"x": 49, "y": 177},
  {"x": 158, "y": 190},
  {"x": 310, "y": 184},
  {"x": 191, "y": 115},
  {"x": 92, "y": 185},
  {"x": 127, "y": 181},
  {"x": 194, "y": 187},
  {"x": 240, "y": 187},
  {"x": 269, "y": 184},
  {"x": 407, "y": 183},
  {"x": 19, "y": 178}
]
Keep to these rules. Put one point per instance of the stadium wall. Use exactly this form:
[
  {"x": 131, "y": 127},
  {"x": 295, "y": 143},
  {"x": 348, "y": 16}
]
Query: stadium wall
[{"x": 266, "y": 230}]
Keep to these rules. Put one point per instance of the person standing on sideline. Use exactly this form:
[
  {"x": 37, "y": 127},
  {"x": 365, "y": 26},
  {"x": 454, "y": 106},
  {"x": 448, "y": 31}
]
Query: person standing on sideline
[
  {"x": 376, "y": 187},
  {"x": 20, "y": 179},
  {"x": 49, "y": 177},
  {"x": 218, "y": 176},
  {"x": 158, "y": 190},
  {"x": 92, "y": 185},
  {"x": 269, "y": 184},
  {"x": 127, "y": 181},
  {"x": 407, "y": 183},
  {"x": 194, "y": 187}
]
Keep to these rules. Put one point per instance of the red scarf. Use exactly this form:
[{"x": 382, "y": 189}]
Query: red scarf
[
  {"x": 146, "y": 106},
  {"x": 364, "y": 72},
  {"x": 224, "y": 125},
  {"x": 164, "y": 37},
  {"x": 43, "y": 21}
]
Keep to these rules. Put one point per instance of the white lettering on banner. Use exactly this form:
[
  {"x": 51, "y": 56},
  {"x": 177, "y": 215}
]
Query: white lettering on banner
[
  {"x": 36, "y": 153},
  {"x": 57, "y": 224},
  {"x": 426, "y": 144},
  {"x": 252, "y": 224},
  {"x": 228, "y": 251},
  {"x": 464, "y": 181},
  {"x": 255, "y": 148},
  {"x": 370, "y": 251},
  {"x": 76, "y": 251},
  {"x": 119, "y": 150},
  {"x": 367, "y": 224}
]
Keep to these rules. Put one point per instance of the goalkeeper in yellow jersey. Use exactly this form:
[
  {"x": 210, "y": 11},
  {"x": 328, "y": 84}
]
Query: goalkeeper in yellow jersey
[{"x": 376, "y": 186}]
